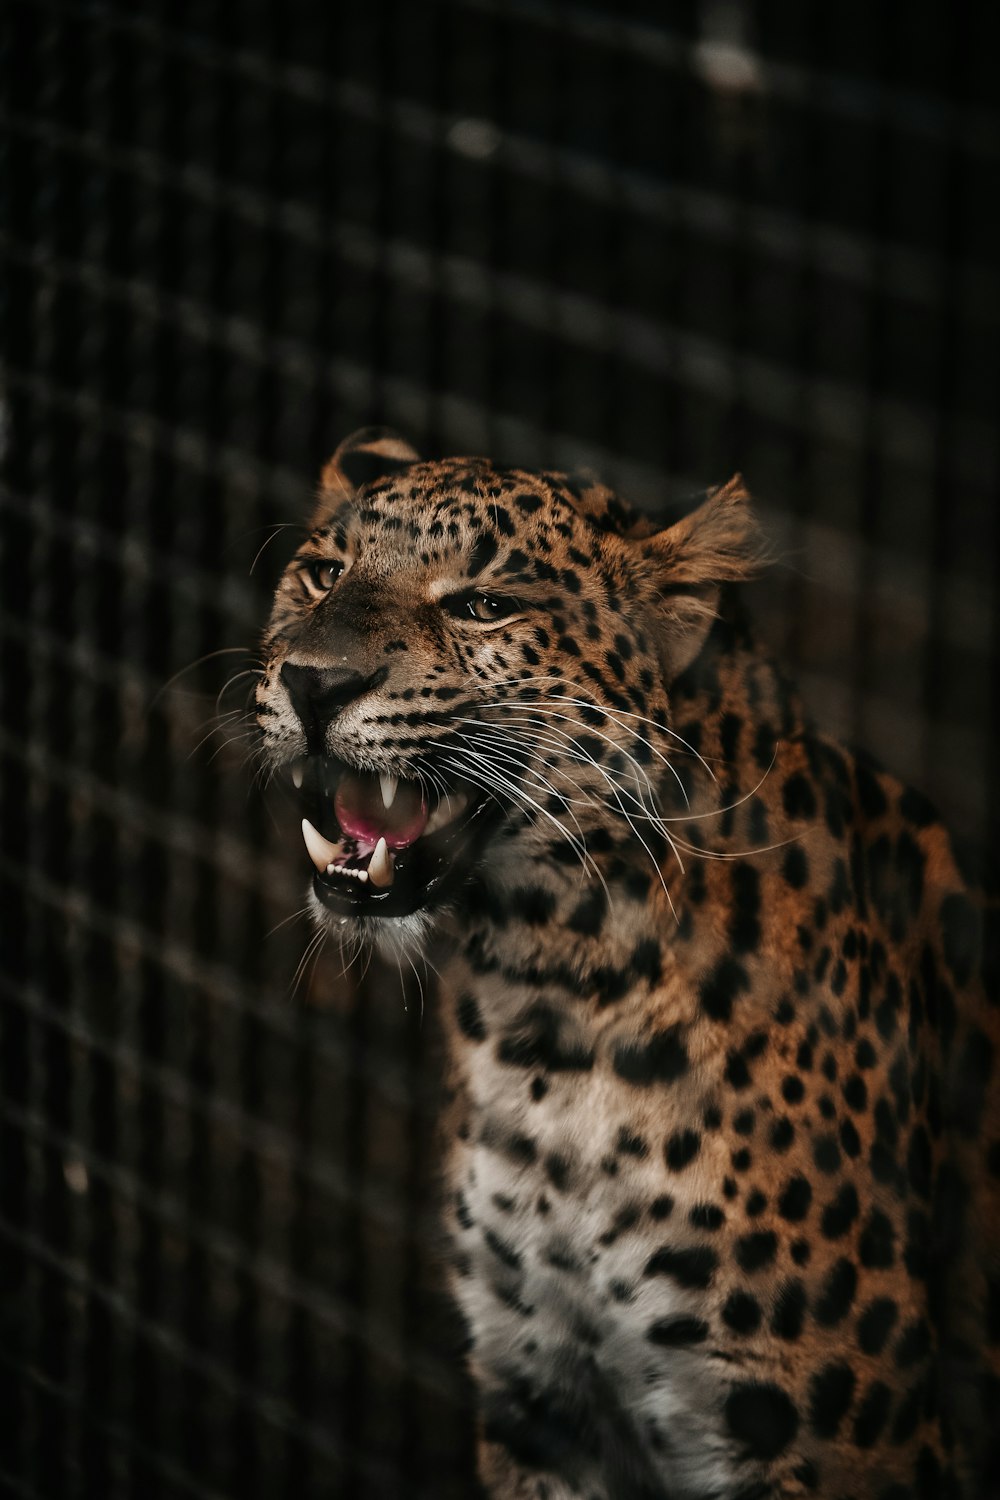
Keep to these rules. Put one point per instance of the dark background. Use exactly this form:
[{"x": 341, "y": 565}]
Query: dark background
[{"x": 666, "y": 241}]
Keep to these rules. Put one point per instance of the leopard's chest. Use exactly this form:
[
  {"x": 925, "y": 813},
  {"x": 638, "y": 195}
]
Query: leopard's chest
[{"x": 566, "y": 1219}]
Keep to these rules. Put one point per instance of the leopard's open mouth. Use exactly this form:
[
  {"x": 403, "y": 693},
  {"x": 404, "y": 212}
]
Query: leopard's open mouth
[{"x": 386, "y": 846}]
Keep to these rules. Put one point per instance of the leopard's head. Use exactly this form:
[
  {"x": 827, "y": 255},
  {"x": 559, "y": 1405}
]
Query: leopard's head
[{"x": 467, "y": 676}]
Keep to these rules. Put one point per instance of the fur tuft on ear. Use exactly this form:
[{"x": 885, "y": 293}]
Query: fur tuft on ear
[
  {"x": 687, "y": 564},
  {"x": 367, "y": 455}
]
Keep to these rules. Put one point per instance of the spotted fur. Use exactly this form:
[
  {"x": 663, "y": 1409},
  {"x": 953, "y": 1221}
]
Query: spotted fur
[{"x": 722, "y": 1146}]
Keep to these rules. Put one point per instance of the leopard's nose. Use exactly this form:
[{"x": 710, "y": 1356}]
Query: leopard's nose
[{"x": 318, "y": 694}]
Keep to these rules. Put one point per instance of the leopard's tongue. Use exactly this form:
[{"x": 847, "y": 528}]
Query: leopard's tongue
[{"x": 362, "y": 814}]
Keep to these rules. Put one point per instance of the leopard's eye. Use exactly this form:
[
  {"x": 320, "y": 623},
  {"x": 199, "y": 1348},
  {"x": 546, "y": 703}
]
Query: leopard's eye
[
  {"x": 483, "y": 606},
  {"x": 489, "y": 607},
  {"x": 323, "y": 573}
]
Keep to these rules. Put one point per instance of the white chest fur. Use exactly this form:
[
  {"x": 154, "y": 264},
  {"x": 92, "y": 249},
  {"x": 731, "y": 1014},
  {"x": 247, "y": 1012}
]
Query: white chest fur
[{"x": 557, "y": 1209}]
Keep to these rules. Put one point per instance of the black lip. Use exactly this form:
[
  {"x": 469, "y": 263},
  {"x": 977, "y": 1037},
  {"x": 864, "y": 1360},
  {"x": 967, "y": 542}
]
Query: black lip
[{"x": 426, "y": 873}]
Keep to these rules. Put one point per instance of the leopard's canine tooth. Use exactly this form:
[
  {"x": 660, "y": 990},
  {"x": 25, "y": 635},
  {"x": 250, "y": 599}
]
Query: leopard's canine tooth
[
  {"x": 388, "y": 785},
  {"x": 321, "y": 851},
  {"x": 380, "y": 871}
]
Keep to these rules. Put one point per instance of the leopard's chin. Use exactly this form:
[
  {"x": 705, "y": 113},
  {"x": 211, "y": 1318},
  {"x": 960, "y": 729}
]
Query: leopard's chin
[
  {"x": 386, "y": 848},
  {"x": 397, "y": 940}
]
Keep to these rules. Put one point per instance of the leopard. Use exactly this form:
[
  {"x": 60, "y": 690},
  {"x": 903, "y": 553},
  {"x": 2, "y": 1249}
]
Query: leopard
[{"x": 719, "y": 1000}]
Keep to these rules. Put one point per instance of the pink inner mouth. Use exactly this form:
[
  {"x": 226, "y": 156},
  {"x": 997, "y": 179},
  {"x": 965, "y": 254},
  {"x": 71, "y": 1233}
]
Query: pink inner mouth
[{"x": 362, "y": 814}]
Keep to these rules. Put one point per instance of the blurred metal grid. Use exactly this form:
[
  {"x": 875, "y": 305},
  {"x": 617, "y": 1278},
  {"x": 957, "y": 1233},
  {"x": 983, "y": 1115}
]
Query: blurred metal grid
[{"x": 562, "y": 233}]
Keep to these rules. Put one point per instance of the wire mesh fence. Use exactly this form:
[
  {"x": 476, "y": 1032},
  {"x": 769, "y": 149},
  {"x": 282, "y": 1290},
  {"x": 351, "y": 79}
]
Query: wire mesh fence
[{"x": 662, "y": 242}]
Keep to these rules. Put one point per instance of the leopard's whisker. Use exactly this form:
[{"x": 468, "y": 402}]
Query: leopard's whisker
[
  {"x": 313, "y": 946},
  {"x": 191, "y": 666},
  {"x": 232, "y": 681},
  {"x": 296, "y": 916},
  {"x": 619, "y": 714},
  {"x": 576, "y": 753},
  {"x": 564, "y": 744},
  {"x": 619, "y": 805},
  {"x": 586, "y": 728},
  {"x": 231, "y": 739},
  {"x": 274, "y": 531},
  {"x": 494, "y": 782},
  {"x": 617, "y": 792}
]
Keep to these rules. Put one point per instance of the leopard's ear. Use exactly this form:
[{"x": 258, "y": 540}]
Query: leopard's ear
[
  {"x": 367, "y": 455},
  {"x": 686, "y": 566}
]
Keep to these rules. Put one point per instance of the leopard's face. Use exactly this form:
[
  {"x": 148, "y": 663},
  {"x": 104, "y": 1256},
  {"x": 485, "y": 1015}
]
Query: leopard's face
[{"x": 464, "y": 675}]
